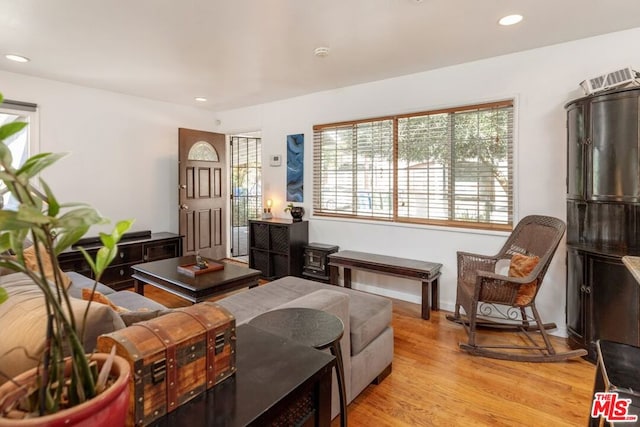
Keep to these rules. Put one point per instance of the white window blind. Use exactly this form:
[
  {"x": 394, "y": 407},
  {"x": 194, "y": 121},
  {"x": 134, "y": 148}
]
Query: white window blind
[
  {"x": 446, "y": 167},
  {"x": 22, "y": 145}
]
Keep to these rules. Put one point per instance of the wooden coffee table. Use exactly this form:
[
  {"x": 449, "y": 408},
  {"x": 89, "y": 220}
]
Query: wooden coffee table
[{"x": 164, "y": 274}]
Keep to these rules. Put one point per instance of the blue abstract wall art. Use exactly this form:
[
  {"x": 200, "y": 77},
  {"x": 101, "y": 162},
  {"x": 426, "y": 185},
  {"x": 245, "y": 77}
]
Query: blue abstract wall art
[{"x": 295, "y": 168}]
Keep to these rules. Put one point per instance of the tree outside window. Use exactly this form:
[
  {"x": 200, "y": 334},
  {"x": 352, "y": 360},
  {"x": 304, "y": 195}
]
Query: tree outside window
[{"x": 447, "y": 167}]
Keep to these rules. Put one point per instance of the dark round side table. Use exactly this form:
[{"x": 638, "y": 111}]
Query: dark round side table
[{"x": 314, "y": 328}]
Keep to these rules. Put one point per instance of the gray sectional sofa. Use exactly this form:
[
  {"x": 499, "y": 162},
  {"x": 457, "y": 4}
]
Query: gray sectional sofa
[{"x": 367, "y": 343}]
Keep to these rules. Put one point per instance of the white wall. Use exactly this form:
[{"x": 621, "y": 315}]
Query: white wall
[
  {"x": 123, "y": 149},
  {"x": 540, "y": 80}
]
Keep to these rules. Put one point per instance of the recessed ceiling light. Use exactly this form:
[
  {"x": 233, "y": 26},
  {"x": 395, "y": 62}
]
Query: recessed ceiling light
[
  {"x": 510, "y": 20},
  {"x": 17, "y": 58},
  {"x": 200, "y": 99},
  {"x": 321, "y": 51}
]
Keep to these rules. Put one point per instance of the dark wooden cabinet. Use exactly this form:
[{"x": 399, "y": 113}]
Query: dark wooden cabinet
[
  {"x": 134, "y": 248},
  {"x": 603, "y": 218},
  {"x": 603, "y": 148},
  {"x": 276, "y": 247},
  {"x": 603, "y": 301},
  {"x": 316, "y": 261}
]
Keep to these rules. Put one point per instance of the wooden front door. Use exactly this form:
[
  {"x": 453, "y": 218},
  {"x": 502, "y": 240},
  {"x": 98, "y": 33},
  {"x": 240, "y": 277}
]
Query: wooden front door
[{"x": 202, "y": 193}]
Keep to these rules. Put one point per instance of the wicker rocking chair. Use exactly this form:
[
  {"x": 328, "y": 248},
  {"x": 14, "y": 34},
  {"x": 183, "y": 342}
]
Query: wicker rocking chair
[{"x": 502, "y": 302}]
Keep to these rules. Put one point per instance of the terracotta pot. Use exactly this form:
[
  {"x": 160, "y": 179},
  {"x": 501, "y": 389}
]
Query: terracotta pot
[{"x": 109, "y": 408}]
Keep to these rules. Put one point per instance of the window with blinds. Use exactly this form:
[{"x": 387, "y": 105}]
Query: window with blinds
[
  {"x": 447, "y": 167},
  {"x": 21, "y": 145}
]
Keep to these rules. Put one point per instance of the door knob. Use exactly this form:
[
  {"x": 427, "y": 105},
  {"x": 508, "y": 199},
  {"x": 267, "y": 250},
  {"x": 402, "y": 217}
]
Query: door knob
[
  {"x": 184, "y": 206},
  {"x": 182, "y": 187}
]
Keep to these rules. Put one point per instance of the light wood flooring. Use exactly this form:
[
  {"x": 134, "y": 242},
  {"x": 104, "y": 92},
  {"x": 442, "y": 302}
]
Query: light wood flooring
[{"x": 434, "y": 383}]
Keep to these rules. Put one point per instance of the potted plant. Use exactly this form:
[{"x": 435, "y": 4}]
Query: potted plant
[
  {"x": 296, "y": 212},
  {"x": 63, "y": 387}
]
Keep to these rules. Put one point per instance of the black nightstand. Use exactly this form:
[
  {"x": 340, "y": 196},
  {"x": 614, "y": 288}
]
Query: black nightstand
[{"x": 315, "y": 261}]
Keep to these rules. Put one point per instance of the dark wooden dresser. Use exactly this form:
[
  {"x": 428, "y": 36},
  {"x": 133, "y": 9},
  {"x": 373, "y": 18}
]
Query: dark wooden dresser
[{"x": 134, "y": 248}]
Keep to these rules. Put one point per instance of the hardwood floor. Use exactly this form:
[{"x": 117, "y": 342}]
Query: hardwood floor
[{"x": 434, "y": 383}]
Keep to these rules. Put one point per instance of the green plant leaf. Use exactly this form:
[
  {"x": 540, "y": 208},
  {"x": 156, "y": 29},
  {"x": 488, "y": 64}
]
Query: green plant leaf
[
  {"x": 107, "y": 240},
  {"x": 108, "y": 252},
  {"x": 32, "y": 215},
  {"x": 3, "y": 295},
  {"x": 37, "y": 163},
  {"x": 88, "y": 258},
  {"x": 52, "y": 202},
  {"x": 9, "y": 221},
  {"x": 5, "y": 176},
  {"x": 80, "y": 217},
  {"x": 5, "y": 241},
  {"x": 104, "y": 257},
  {"x": 10, "y": 129},
  {"x": 68, "y": 238},
  {"x": 5, "y": 155}
]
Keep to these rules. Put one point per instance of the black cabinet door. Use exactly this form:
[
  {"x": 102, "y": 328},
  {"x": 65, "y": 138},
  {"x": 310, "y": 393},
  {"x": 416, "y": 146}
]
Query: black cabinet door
[
  {"x": 615, "y": 295},
  {"x": 576, "y": 299},
  {"x": 576, "y": 138}
]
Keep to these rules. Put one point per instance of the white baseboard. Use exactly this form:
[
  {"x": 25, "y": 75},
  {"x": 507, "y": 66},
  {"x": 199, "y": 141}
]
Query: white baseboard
[{"x": 560, "y": 331}]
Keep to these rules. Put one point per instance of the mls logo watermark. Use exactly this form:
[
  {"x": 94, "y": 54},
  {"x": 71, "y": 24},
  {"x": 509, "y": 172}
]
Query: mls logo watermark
[{"x": 612, "y": 408}]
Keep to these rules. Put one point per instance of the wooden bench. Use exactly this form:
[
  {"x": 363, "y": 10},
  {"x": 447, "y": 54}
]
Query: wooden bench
[{"x": 427, "y": 272}]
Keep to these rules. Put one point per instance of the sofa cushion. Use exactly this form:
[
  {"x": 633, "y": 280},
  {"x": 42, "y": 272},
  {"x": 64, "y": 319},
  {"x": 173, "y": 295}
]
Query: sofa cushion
[
  {"x": 23, "y": 319},
  {"x": 134, "y": 302},
  {"x": 369, "y": 315},
  {"x": 131, "y": 317},
  {"x": 31, "y": 262},
  {"x": 79, "y": 281}
]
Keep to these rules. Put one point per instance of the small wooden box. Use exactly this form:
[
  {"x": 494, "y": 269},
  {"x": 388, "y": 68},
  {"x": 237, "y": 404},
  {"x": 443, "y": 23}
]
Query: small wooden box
[{"x": 174, "y": 357}]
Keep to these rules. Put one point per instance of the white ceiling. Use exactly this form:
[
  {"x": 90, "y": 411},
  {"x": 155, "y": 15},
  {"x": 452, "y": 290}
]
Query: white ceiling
[{"x": 244, "y": 52}]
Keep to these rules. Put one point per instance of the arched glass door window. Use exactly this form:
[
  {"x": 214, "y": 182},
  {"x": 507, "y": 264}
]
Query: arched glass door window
[{"x": 203, "y": 151}]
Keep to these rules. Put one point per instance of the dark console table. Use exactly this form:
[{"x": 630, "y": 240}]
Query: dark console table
[
  {"x": 313, "y": 328},
  {"x": 277, "y": 382},
  {"x": 134, "y": 248},
  {"x": 427, "y": 272}
]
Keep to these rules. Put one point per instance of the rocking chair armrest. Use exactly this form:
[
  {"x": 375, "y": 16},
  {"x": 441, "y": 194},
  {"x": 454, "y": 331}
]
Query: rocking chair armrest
[
  {"x": 508, "y": 279},
  {"x": 470, "y": 262},
  {"x": 482, "y": 257}
]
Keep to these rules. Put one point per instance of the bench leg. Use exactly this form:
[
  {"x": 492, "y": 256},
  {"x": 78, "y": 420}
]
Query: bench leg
[
  {"x": 426, "y": 294},
  {"x": 334, "y": 275},
  {"x": 435, "y": 295},
  {"x": 347, "y": 277}
]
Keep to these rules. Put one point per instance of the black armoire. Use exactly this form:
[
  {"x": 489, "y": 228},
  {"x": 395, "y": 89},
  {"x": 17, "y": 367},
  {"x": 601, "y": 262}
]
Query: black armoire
[{"x": 603, "y": 218}]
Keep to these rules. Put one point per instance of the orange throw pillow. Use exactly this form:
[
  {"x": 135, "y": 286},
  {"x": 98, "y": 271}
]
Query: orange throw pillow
[
  {"x": 31, "y": 263},
  {"x": 100, "y": 298},
  {"x": 522, "y": 266}
]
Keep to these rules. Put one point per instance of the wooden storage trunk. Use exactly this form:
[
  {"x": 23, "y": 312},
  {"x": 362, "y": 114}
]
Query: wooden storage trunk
[{"x": 174, "y": 357}]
